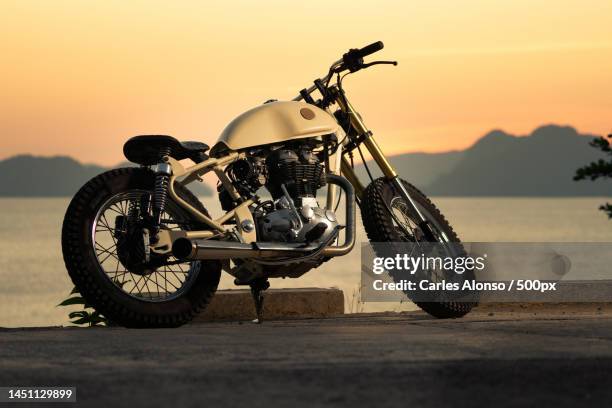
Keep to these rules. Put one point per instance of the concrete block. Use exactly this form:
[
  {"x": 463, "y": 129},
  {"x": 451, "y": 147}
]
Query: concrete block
[{"x": 278, "y": 304}]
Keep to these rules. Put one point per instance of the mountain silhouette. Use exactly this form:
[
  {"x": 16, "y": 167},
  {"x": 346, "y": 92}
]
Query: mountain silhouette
[
  {"x": 500, "y": 164},
  {"x": 419, "y": 168},
  {"x": 61, "y": 176},
  {"x": 541, "y": 164}
]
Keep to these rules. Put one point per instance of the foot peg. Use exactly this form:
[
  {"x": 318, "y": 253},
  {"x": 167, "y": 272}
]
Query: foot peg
[{"x": 257, "y": 288}]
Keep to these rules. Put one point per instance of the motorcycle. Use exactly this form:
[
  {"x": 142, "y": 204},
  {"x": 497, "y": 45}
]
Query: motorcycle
[{"x": 144, "y": 251}]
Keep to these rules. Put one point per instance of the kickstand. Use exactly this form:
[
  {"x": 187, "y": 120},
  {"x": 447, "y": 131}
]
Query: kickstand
[{"x": 257, "y": 288}]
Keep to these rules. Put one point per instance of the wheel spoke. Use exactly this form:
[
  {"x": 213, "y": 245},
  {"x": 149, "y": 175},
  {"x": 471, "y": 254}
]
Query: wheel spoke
[
  {"x": 167, "y": 281},
  {"x": 402, "y": 216},
  {"x": 115, "y": 211},
  {"x": 147, "y": 285},
  {"x": 111, "y": 230},
  {"x": 160, "y": 283},
  {"x": 157, "y": 284},
  {"x": 136, "y": 285}
]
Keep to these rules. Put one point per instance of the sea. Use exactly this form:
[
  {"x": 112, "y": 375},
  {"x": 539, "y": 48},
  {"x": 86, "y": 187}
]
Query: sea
[{"x": 33, "y": 278}]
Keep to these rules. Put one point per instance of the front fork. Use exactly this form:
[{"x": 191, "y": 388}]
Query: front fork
[{"x": 384, "y": 165}]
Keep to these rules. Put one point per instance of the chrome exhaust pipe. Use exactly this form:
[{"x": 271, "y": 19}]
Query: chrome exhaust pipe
[
  {"x": 200, "y": 249},
  {"x": 349, "y": 240}
]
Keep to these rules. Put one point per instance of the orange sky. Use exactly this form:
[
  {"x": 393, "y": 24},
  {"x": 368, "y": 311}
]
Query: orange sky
[{"x": 79, "y": 77}]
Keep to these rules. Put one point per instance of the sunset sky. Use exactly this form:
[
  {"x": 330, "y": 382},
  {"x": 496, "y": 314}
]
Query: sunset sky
[{"x": 80, "y": 77}]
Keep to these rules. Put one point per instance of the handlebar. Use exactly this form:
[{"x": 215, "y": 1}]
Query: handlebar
[
  {"x": 351, "y": 61},
  {"x": 371, "y": 49}
]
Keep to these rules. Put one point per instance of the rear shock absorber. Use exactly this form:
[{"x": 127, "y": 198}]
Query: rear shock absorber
[{"x": 163, "y": 171}]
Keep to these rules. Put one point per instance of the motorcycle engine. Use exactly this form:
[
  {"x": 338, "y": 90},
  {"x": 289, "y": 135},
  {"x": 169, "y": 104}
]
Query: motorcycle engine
[{"x": 292, "y": 175}]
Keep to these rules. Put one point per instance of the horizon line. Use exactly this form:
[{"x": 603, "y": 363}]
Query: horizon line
[{"x": 60, "y": 155}]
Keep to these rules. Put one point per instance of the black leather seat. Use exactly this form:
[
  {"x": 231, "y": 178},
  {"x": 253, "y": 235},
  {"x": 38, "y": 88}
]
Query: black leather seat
[{"x": 145, "y": 149}]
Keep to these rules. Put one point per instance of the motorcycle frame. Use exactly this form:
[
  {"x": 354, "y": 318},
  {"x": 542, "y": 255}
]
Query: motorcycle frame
[{"x": 241, "y": 214}]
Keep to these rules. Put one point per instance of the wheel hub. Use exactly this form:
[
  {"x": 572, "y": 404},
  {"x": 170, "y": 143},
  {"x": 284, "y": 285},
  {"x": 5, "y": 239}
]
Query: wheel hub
[{"x": 133, "y": 246}]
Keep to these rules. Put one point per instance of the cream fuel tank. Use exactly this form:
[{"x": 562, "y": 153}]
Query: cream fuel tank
[{"x": 274, "y": 122}]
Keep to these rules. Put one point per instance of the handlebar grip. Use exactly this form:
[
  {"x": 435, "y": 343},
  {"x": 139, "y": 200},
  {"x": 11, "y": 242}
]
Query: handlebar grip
[
  {"x": 371, "y": 49},
  {"x": 353, "y": 59}
]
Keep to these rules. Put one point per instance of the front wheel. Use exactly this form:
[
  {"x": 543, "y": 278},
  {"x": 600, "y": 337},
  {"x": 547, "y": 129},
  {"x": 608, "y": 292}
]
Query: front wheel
[
  {"x": 104, "y": 243},
  {"x": 388, "y": 218}
]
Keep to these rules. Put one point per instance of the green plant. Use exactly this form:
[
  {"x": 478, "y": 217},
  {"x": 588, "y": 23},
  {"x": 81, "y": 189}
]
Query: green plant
[
  {"x": 598, "y": 169},
  {"x": 88, "y": 316}
]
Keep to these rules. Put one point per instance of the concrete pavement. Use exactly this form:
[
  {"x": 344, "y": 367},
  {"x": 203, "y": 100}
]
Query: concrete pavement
[{"x": 408, "y": 359}]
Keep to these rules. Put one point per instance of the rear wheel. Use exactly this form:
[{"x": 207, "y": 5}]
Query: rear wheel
[
  {"x": 103, "y": 242},
  {"x": 388, "y": 218}
]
